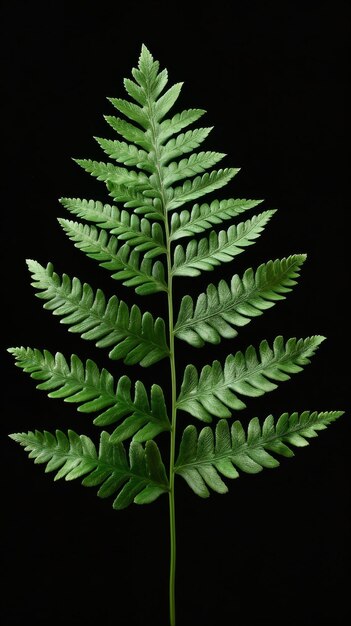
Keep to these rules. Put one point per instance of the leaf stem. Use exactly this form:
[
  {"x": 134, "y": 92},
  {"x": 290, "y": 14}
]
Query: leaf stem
[{"x": 172, "y": 519}]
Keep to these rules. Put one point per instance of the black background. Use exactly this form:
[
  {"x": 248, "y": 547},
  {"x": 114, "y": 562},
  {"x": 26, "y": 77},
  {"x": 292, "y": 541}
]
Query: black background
[{"x": 273, "y": 78}]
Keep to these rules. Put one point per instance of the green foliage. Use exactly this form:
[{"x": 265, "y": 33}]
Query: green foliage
[
  {"x": 201, "y": 217},
  {"x": 215, "y": 391},
  {"x": 221, "y": 308},
  {"x": 145, "y": 275},
  {"x": 140, "y": 479},
  {"x": 137, "y": 251},
  {"x": 142, "y": 235},
  {"x": 96, "y": 391},
  {"x": 136, "y": 238},
  {"x": 218, "y": 248},
  {"x": 135, "y": 337},
  {"x": 204, "y": 456}
]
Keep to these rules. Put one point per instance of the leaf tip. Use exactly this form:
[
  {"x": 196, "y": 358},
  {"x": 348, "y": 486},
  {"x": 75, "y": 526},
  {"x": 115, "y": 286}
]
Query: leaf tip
[
  {"x": 16, "y": 437},
  {"x": 33, "y": 265},
  {"x": 319, "y": 339}
]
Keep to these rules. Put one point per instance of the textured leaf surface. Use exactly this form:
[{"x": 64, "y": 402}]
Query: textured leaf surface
[
  {"x": 139, "y": 233},
  {"x": 147, "y": 74},
  {"x": 140, "y": 479},
  {"x": 204, "y": 457},
  {"x": 201, "y": 217},
  {"x": 131, "y": 110},
  {"x": 107, "y": 216},
  {"x": 130, "y": 132},
  {"x": 166, "y": 101},
  {"x": 108, "y": 172},
  {"x": 195, "y": 164},
  {"x": 199, "y": 186},
  {"x": 134, "y": 199},
  {"x": 135, "y": 337},
  {"x": 222, "y": 307},
  {"x": 126, "y": 153},
  {"x": 215, "y": 391},
  {"x": 218, "y": 248},
  {"x": 97, "y": 392},
  {"x": 146, "y": 276},
  {"x": 174, "y": 125},
  {"x": 183, "y": 143}
]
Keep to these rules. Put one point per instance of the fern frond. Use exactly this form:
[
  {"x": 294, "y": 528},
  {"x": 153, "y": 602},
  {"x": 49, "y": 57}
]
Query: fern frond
[
  {"x": 126, "y": 153},
  {"x": 140, "y": 234},
  {"x": 197, "y": 163},
  {"x": 146, "y": 276},
  {"x": 147, "y": 74},
  {"x": 175, "y": 124},
  {"x": 140, "y": 479},
  {"x": 105, "y": 215},
  {"x": 214, "y": 392},
  {"x": 135, "y": 337},
  {"x": 135, "y": 91},
  {"x": 183, "y": 143},
  {"x": 204, "y": 216},
  {"x": 97, "y": 392},
  {"x": 130, "y": 132},
  {"x": 166, "y": 101},
  {"x": 118, "y": 222},
  {"x": 131, "y": 110},
  {"x": 199, "y": 186},
  {"x": 205, "y": 456},
  {"x": 221, "y": 308},
  {"x": 110, "y": 173},
  {"x": 218, "y": 248},
  {"x": 134, "y": 199}
]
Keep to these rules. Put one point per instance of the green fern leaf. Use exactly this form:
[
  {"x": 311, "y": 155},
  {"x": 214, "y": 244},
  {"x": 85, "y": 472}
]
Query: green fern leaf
[
  {"x": 165, "y": 102},
  {"x": 221, "y": 308},
  {"x": 96, "y": 391},
  {"x": 149, "y": 83},
  {"x": 199, "y": 186},
  {"x": 174, "y": 125},
  {"x": 111, "y": 218},
  {"x": 195, "y": 164},
  {"x": 131, "y": 110},
  {"x": 204, "y": 216},
  {"x": 126, "y": 153},
  {"x": 141, "y": 479},
  {"x": 183, "y": 143},
  {"x": 148, "y": 76},
  {"x": 135, "y": 337},
  {"x": 139, "y": 233},
  {"x": 205, "y": 456},
  {"x": 150, "y": 180},
  {"x": 136, "y": 200},
  {"x": 108, "y": 172},
  {"x": 130, "y": 132},
  {"x": 247, "y": 374},
  {"x": 135, "y": 91},
  {"x": 218, "y": 248},
  {"x": 146, "y": 276},
  {"x": 105, "y": 215}
]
